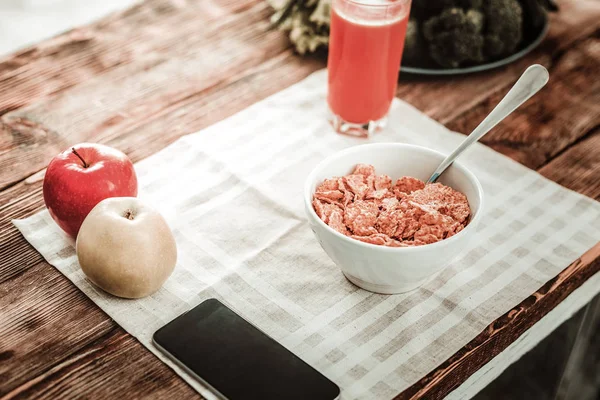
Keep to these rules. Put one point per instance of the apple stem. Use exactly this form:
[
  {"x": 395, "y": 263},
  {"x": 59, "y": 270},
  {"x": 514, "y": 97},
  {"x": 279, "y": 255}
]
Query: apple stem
[
  {"x": 81, "y": 158},
  {"x": 128, "y": 214}
]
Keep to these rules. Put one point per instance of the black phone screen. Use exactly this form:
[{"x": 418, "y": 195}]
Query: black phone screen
[{"x": 238, "y": 360}]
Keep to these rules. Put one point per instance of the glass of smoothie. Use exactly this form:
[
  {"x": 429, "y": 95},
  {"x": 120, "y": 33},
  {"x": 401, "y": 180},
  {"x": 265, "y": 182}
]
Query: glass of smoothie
[{"x": 365, "y": 49}]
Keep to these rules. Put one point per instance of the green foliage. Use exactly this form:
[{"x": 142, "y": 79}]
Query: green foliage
[
  {"x": 451, "y": 33},
  {"x": 504, "y": 27},
  {"x": 307, "y": 22},
  {"x": 455, "y": 36},
  {"x": 470, "y": 31}
]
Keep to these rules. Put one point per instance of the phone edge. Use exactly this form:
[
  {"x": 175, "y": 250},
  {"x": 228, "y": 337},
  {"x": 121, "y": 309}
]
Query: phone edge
[{"x": 189, "y": 371}]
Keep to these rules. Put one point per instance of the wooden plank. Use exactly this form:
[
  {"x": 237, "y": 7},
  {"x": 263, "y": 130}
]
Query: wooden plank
[
  {"x": 44, "y": 320},
  {"x": 78, "y": 55},
  {"x": 164, "y": 67},
  {"x": 505, "y": 330},
  {"x": 114, "y": 366},
  {"x": 18, "y": 201},
  {"x": 567, "y": 109},
  {"x": 578, "y": 168}
]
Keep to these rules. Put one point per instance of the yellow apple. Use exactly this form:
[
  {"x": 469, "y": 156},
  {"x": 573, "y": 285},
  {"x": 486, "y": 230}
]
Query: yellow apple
[{"x": 126, "y": 247}]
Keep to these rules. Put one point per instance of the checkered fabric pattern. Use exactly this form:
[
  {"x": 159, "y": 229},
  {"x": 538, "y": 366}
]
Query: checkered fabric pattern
[{"x": 232, "y": 194}]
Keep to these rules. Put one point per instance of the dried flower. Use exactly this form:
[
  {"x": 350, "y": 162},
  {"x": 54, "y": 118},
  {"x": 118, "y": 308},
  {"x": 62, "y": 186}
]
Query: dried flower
[{"x": 307, "y": 22}]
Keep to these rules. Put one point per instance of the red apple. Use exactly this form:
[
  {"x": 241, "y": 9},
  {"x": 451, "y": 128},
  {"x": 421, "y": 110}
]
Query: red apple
[{"x": 79, "y": 178}]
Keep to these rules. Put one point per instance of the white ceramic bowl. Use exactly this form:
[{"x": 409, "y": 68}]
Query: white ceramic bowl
[{"x": 382, "y": 269}]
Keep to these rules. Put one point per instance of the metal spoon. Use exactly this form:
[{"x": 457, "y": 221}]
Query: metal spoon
[{"x": 532, "y": 80}]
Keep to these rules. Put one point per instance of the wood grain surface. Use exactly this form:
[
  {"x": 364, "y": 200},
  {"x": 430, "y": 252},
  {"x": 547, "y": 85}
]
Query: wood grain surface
[{"x": 141, "y": 78}]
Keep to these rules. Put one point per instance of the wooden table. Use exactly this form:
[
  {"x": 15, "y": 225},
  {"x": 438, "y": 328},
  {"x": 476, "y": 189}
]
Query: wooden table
[{"x": 141, "y": 78}]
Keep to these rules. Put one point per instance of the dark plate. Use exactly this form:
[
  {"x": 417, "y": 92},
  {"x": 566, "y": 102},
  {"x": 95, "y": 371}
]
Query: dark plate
[{"x": 526, "y": 47}]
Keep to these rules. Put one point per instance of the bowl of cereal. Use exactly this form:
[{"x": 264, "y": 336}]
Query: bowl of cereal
[{"x": 381, "y": 224}]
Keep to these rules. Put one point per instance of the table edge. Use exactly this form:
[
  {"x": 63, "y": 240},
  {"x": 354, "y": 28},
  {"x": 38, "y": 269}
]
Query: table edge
[{"x": 504, "y": 331}]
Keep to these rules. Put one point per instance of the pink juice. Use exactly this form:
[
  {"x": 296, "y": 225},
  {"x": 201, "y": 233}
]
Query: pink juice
[{"x": 364, "y": 59}]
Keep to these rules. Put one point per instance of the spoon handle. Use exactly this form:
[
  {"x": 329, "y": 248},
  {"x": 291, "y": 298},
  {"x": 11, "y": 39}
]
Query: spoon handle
[{"x": 532, "y": 80}]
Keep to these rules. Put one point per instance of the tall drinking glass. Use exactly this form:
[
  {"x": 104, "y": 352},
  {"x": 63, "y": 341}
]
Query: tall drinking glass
[{"x": 365, "y": 49}]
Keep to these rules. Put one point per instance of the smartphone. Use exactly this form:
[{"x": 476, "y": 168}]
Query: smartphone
[{"x": 236, "y": 360}]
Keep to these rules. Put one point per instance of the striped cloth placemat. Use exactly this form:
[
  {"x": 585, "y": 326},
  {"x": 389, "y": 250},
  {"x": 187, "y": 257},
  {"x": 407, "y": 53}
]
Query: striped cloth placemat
[{"x": 232, "y": 194}]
